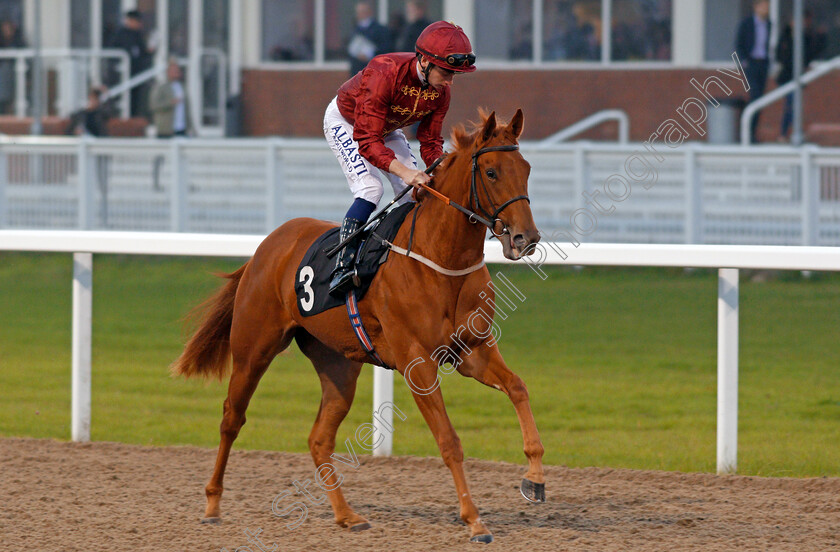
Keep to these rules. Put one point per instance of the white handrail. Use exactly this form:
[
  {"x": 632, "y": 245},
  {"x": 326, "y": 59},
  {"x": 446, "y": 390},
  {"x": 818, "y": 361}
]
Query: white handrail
[
  {"x": 82, "y": 244},
  {"x": 20, "y": 56},
  {"x": 749, "y": 112},
  {"x": 592, "y": 121}
]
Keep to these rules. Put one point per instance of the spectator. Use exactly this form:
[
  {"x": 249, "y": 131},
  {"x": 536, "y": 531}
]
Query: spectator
[
  {"x": 170, "y": 112},
  {"x": 10, "y": 37},
  {"x": 415, "y": 22},
  {"x": 93, "y": 119},
  {"x": 370, "y": 38},
  {"x": 752, "y": 45},
  {"x": 130, "y": 38},
  {"x": 170, "y": 105},
  {"x": 814, "y": 42}
]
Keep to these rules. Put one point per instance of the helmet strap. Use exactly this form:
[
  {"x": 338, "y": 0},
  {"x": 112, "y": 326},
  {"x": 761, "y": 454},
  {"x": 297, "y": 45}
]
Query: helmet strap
[{"x": 425, "y": 71}]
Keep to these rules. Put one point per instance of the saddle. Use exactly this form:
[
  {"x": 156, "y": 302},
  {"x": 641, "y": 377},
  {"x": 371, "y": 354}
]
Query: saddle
[{"x": 312, "y": 279}]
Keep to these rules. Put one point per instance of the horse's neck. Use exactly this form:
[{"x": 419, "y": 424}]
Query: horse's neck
[{"x": 444, "y": 234}]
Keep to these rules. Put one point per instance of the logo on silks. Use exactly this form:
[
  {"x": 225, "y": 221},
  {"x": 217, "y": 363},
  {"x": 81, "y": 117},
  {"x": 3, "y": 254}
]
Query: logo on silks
[{"x": 349, "y": 152}]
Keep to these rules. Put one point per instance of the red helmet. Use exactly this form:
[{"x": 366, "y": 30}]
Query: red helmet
[{"x": 446, "y": 45}]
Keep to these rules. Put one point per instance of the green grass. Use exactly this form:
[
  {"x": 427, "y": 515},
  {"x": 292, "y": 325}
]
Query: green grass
[{"x": 620, "y": 364}]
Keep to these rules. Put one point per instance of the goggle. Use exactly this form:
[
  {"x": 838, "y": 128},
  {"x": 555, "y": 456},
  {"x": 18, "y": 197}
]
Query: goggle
[
  {"x": 455, "y": 60},
  {"x": 460, "y": 60}
]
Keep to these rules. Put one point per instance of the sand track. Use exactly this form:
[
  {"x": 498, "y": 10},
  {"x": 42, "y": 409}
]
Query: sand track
[{"x": 108, "y": 496}]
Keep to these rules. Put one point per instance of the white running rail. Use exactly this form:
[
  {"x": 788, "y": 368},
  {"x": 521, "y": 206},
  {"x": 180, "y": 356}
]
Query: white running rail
[{"x": 727, "y": 258}]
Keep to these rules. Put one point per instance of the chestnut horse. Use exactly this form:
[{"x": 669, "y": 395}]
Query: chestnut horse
[{"x": 255, "y": 316}]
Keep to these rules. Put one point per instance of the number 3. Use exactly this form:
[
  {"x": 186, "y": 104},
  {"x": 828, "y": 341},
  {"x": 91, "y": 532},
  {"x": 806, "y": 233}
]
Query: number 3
[{"x": 306, "y": 277}]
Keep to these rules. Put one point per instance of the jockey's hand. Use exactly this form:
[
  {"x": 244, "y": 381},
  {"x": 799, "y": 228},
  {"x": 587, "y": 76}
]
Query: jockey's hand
[
  {"x": 412, "y": 177},
  {"x": 416, "y": 177}
]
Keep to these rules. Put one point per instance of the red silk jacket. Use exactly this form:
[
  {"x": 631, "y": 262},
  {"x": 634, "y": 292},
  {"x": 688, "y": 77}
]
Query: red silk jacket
[{"x": 388, "y": 95}]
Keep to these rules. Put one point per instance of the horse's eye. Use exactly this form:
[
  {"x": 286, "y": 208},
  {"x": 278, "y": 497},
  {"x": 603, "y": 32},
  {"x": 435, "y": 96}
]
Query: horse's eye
[{"x": 491, "y": 173}]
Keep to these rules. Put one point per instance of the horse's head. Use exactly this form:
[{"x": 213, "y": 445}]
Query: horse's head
[{"x": 499, "y": 182}]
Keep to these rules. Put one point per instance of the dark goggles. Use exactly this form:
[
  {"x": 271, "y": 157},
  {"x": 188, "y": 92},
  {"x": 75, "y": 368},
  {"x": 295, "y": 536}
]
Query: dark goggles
[
  {"x": 455, "y": 60},
  {"x": 460, "y": 60}
]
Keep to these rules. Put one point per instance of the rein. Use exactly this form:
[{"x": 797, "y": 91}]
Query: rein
[{"x": 489, "y": 219}]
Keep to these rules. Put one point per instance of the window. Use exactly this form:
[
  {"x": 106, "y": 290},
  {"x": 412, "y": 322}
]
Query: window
[
  {"x": 179, "y": 27},
  {"x": 504, "y": 29},
  {"x": 339, "y": 25},
  {"x": 722, "y": 18},
  {"x": 825, "y": 22},
  {"x": 12, "y": 10},
  {"x": 288, "y": 30},
  {"x": 290, "y": 33},
  {"x": 407, "y": 18},
  {"x": 572, "y": 30},
  {"x": 80, "y": 34},
  {"x": 641, "y": 30}
]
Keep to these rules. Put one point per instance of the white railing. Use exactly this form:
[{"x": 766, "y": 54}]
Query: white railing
[
  {"x": 590, "y": 122},
  {"x": 752, "y": 108},
  {"x": 76, "y": 70},
  {"x": 84, "y": 244},
  {"x": 763, "y": 195}
]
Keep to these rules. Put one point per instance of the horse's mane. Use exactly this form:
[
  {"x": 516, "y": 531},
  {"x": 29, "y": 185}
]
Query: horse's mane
[{"x": 464, "y": 136}]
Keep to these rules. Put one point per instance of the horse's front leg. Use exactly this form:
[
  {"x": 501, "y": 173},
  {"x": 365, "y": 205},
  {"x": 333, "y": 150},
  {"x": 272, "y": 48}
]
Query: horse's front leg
[
  {"x": 422, "y": 380},
  {"x": 486, "y": 365}
]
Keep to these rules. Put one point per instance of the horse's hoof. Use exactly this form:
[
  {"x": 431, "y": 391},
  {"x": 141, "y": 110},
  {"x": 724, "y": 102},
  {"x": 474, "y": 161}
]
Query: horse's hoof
[
  {"x": 360, "y": 527},
  {"x": 212, "y": 521},
  {"x": 482, "y": 539},
  {"x": 533, "y": 492}
]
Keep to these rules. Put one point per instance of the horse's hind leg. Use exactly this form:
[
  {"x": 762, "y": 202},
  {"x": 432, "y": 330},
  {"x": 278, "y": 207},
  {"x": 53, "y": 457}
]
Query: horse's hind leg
[
  {"x": 338, "y": 387},
  {"x": 255, "y": 341}
]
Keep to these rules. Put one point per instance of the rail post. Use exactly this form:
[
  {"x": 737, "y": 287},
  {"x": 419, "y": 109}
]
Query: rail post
[
  {"x": 727, "y": 398},
  {"x": 383, "y": 423},
  {"x": 82, "y": 318}
]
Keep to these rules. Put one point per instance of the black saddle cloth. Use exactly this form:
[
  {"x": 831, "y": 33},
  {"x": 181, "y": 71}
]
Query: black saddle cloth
[{"x": 312, "y": 280}]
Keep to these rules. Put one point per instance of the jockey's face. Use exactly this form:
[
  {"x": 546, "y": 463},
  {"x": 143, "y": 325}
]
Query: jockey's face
[{"x": 438, "y": 76}]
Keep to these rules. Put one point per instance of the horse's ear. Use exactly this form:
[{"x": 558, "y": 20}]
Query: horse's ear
[
  {"x": 515, "y": 126},
  {"x": 489, "y": 126}
]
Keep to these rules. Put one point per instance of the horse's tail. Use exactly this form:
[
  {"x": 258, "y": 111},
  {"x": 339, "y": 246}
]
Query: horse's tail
[{"x": 208, "y": 351}]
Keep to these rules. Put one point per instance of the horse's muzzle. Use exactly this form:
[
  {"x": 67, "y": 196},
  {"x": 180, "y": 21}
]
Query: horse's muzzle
[{"x": 519, "y": 244}]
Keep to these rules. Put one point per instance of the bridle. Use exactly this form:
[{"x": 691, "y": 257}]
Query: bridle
[
  {"x": 475, "y": 201},
  {"x": 488, "y": 219}
]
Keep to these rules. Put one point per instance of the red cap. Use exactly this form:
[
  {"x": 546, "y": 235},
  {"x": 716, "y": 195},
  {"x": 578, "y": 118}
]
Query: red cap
[{"x": 446, "y": 45}]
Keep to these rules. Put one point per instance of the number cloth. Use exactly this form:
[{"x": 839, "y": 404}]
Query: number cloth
[{"x": 312, "y": 280}]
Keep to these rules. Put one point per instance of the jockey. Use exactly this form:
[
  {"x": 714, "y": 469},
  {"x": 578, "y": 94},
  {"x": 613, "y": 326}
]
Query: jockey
[{"x": 363, "y": 125}]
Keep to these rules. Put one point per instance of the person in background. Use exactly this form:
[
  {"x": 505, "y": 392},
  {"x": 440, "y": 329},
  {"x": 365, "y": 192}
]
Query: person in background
[
  {"x": 752, "y": 44},
  {"x": 170, "y": 112},
  {"x": 93, "y": 119},
  {"x": 10, "y": 37},
  {"x": 170, "y": 105},
  {"x": 130, "y": 38},
  {"x": 370, "y": 38},
  {"x": 814, "y": 42},
  {"x": 415, "y": 22}
]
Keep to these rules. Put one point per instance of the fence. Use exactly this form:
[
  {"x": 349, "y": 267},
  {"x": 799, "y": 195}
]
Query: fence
[
  {"x": 84, "y": 244},
  {"x": 75, "y": 70},
  {"x": 761, "y": 195}
]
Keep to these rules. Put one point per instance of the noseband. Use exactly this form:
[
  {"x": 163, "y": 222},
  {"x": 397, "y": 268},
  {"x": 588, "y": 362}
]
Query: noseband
[{"x": 489, "y": 219}]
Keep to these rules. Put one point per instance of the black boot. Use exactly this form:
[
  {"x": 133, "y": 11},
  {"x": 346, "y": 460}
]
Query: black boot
[{"x": 344, "y": 275}]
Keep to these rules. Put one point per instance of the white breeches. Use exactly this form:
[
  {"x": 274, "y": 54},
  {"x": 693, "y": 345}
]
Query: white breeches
[{"x": 363, "y": 177}]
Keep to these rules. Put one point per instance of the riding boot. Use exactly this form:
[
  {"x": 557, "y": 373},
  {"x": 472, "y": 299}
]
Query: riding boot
[{"x": 344, "y": 277}]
